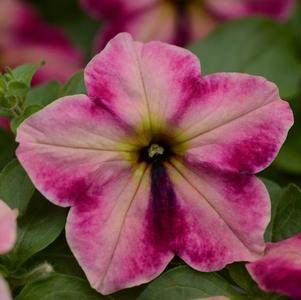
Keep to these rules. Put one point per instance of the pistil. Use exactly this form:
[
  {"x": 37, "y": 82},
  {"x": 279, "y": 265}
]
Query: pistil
[{"x": 154, "y": 150}]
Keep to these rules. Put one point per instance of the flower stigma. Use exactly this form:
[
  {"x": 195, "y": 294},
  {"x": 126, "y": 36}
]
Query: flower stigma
[{"x": 155, "y": 149}]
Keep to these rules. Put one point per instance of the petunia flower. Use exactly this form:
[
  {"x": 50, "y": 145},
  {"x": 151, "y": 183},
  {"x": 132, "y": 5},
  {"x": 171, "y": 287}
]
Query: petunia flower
[
  {"x": 280, "y": 269},
  {"x": 176, "y": 21},
  {"x": 8, "y": 232},
  {"x": 157, "y": 161},
  {"x": 25, "y": 38}
]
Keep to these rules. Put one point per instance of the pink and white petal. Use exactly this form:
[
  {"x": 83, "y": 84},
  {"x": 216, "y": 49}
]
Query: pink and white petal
[
  {"x": 225, "y": 214},
  {"x": 111, "y": 238},
  {"x": 279, "y": 9},
  {"x": 142, "y": 26},
  {"x": 238, "y": 122},
  {"x": 4, "y": 290},
  {"x": 69, "y": 144},
  {"x": 143, "y": 84},
  {"x": 8, "y": 227},
  {"x": 280, "y": 269},
  {"x": 115, "y": 8}
]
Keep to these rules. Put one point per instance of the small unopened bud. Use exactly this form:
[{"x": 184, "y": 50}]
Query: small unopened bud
[{"x": 40, "y": 272}]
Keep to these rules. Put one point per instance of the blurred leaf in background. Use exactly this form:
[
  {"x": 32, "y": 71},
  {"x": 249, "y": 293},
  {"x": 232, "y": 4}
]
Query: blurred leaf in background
[{"x": 255, "y": 46}]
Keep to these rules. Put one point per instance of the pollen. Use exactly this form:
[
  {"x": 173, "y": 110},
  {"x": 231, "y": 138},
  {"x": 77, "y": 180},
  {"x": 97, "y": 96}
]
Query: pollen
[{"x": 154, "y": 150}]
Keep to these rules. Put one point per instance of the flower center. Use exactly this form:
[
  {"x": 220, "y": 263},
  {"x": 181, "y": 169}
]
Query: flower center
[
  {"x": 155, "y": 152},
  {"x": 155, "y": 149}
]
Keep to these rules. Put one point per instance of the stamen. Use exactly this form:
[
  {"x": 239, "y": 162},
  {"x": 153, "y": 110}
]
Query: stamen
[{"x": 155, "y": 149}]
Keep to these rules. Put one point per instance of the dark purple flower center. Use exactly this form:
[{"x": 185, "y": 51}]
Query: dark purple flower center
[{"x": 157, "y": 151}]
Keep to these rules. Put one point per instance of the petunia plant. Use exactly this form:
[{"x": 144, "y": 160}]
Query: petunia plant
[{"x": 154, "y": 173}]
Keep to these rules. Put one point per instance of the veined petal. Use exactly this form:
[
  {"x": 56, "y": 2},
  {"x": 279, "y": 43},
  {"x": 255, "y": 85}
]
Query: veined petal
[
  {"x": 225, "y": 216},
  {"x": 8, "y": 227},
  {"x": 143, "y": 84},
  {"x": 4, "y": 290},
  {"x": 69, "y": 144},
  {"x": 279, "y": 9},
  {"x": 236, "y": 122},
  {"x": 111, "y": 238},
  {"x": 280, "y": 269}
]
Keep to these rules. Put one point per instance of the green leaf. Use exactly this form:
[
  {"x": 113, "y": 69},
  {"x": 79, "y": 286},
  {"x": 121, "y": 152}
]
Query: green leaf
[
  {"x": 60, "y": 287},
  {"x": 17, "y": 88},
  {"x": 15, "y": 122},
  {"x": 5, "y": 113},
  {"x": 294, "y": 22},
  {"x": 3, "y": 85},
  {"x": 60, "y": 258},
  {"x": 255, "y": 46},
  {"x": 287, "y": 221},
  {"x": 182, "y": 283},
  {"x": 289, "y": 157},
  {"x": 242, "y": 278},
  {"x": 275, "y": 192},
  {"x": 129, "y": 294},
  {"x": 24, "y": 73},
  {"x": 16, "y": 188},
  {"x": 75, "y": 85},
  {"x": 43, "y": 94},
  {"x": 39, "y": 227},
  {"x": 7, "y": 147}
]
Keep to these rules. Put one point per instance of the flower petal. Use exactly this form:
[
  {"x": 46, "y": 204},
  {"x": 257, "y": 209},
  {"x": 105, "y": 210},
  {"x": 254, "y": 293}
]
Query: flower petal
[
  {"x": 110, "y": 236},
  {"x": 235, "y": 121},
  {"x": 225, "y": 215},
  {"x": 142, "y": 84},
  {"x": 8, "y": 227},
  {"x": 280, "y": 269},
  {"x": 279, "y": 9},
  {"x": 4, "y": 290},
  {"x": 64, "y": 146},
  {"x": 141, "y": 25}
]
